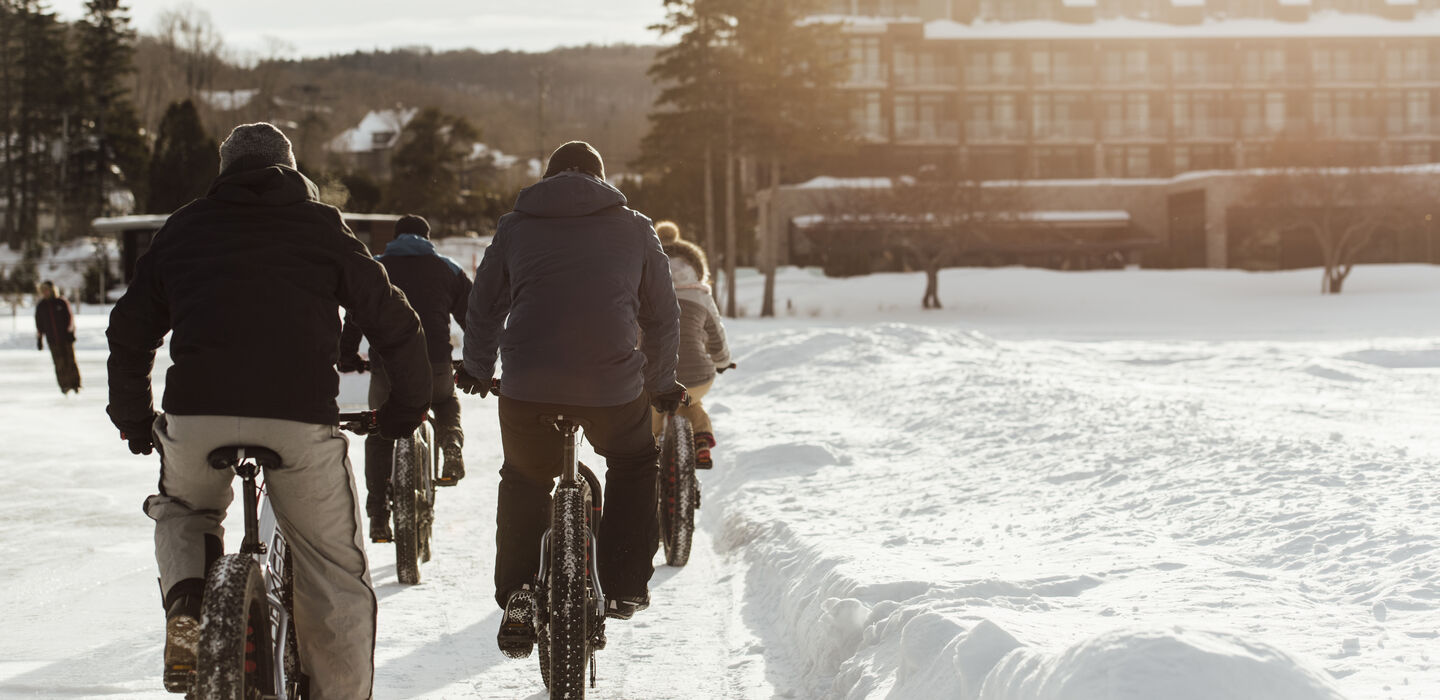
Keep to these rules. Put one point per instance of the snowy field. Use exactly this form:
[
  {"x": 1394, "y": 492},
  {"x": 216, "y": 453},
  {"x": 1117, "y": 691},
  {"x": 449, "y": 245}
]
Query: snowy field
[{"x": 1084, "y": 486}]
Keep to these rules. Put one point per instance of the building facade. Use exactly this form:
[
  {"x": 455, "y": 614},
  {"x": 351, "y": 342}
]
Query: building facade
[{"x": 1082, "y": 89}]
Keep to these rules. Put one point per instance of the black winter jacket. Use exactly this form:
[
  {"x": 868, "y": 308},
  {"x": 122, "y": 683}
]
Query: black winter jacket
[
  {"x": 578, "y": 274},
  {"x": 53, "y": 319},
  {"x": 249, "y": 281},
  {"x": 436, "y": 287}
]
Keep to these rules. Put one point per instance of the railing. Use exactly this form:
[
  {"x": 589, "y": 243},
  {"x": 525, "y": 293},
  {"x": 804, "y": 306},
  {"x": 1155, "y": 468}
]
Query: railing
[
  {"x": 1262, "y": 128},
  {"x": 1205, "y": 129},
  {"x": 1066, "y": 76},
  {"x": 995, "y": 131},
  {"x": 1132, "y": 75},
  {"x": 1134, "y": 129},
  {"x": 947, "y": 76},
  {"x": 1349, "y": 127},
  {"x": 976, "y": 75},
  {"x": 1065, "y": 130},
  {"x": 948, "y": 131},
  {"x": 1399, "y": 126},
  {"x": 1272, "y": 75},
  {"x": 868, "y": 73},
  {"x": 1204, "y": 75},
  {"x": 1349, "y": 74}
]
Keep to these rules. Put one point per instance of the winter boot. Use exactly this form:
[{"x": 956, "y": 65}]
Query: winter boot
[
  {"x": 380, "y": 529},
  {"x": 703, "y": 443},
  {"x": 454, "y": 469},
  {"x": 625, "y": 607},
  {"x": 182, "y": 641},
  {"x": 517, "y": 627}
]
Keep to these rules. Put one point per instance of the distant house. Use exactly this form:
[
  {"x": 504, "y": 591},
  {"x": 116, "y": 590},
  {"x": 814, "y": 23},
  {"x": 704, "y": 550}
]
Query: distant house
[{"x": 370, "y": 145}]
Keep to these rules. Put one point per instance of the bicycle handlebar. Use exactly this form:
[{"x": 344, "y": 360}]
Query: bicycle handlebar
[{"x": 360, "y": 422}]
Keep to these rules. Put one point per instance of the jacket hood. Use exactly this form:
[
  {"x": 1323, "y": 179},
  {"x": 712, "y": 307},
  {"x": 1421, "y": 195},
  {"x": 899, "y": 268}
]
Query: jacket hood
[
  {"x": 568, "y": 194},
  {"x": 412, "y": 246},
  {"x": 272, "y": 185}
]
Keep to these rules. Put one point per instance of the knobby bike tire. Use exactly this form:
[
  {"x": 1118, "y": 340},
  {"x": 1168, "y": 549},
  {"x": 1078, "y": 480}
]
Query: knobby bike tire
[
  {"x": 678, "y": 489},
  {"x": 405, "y": 494},
  {"x": 565, "y": 644},
  {"x": 430, "y": 457},
  {"x": 235, "y": 613}
]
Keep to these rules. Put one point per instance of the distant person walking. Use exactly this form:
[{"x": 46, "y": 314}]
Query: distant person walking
[{"x": 55, "y": 324}]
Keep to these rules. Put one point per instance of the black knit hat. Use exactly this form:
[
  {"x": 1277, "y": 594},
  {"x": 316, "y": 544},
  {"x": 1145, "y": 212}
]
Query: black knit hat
[
  {"x": 411, "y": 223},
  {"x": 576, "y": 155}
]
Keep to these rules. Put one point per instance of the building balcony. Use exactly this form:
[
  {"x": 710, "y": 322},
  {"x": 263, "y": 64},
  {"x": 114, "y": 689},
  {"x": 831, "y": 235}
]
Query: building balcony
[
  {"x": 928, "y": 76},
  {"x": 1349, "y": 128},
  {"x": 1065, "y": 130},
  {"x": 1352, "y": 76},
  {"x": 1132, "y": 75},
  {"x": 1065, "y": 77},
  {"x": 1412, "y": 74},
  {"x": 995, "y": 131},
  {"x": 1266, "y": 129},
  {"x": 1136, "y": 129},
  {"x": 928, "y": 132},
  {"x": 1400, "y": 128},
  {"x": 868, "y": 74},
  {"x": 981, "y": 77},
  {"x": 1205, "y": 129},
  {"x": 1292, "y": 74},
  {"x": 1204, "y": 75}
]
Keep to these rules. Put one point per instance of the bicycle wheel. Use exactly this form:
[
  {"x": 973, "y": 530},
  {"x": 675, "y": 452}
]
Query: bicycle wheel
[
  {"x": 297, "y": 685},
  {"x": 430, "y": 458},
  {"x": 236, "y": 661},
  {"x": 677, "y": 490},
  {"x": 564, "y": 638},
  {"x": 404, "y": 491}
]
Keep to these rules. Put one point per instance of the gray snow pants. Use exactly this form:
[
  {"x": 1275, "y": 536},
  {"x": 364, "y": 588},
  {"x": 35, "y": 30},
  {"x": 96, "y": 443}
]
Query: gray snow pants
[{"x": 317, "y": 506}]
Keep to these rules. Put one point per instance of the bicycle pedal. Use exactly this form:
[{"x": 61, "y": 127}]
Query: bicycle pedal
[{"x": 516, "y": 640}]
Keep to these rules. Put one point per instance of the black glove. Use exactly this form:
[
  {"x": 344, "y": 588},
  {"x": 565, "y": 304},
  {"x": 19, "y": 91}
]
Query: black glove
[
  {"x": 668, "y": 401},
  {"x": 353, "y": 363},
  {"x": 39, "y": 342},
  {"x": 721, "y": 370},
  {"x": 138, "y": 435},
  {"x": 396, "y": 422},
  {"x": 470, "y": 384}
]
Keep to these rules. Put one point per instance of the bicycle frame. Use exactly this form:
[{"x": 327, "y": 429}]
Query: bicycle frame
[
  {"x": 569, "y": 476},
  {"x": 265, "y": 542}
]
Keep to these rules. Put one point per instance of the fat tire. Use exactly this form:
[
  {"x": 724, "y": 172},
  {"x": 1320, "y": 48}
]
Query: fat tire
[
  {"x": 407, "y": 506},
  {"x": 235, "y": 612},
  {"x": 565, "y": 639},
  {"x": 678, "y": 489}
]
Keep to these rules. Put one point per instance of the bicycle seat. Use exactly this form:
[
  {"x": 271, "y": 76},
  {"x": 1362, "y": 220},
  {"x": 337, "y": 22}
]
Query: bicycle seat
[
  {"x": 553, "y": 419},
  {"x": 231, "y": 456}
]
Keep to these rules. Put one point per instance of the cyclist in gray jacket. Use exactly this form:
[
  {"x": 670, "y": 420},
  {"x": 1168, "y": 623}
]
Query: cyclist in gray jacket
[{"x": 703, "y": 350}]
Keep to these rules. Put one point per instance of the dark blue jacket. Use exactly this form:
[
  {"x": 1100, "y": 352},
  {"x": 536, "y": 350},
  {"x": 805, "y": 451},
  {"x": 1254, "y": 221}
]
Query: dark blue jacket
[
  {"x": 436, "y": 287},
  {"x": 579, "y": 275}
]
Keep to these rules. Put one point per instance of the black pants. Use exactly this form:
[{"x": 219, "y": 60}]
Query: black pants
[
  {"x": 628, "y": 534},
  {"x": 67, "y": 373},
  {"x": 378, "y": 451}
]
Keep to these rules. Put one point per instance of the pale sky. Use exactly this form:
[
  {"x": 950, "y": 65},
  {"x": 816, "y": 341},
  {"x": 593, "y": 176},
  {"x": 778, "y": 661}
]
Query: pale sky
[{"x": 322, "y": 27}]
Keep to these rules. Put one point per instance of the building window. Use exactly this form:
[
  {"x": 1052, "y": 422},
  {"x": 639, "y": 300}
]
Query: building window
[
  {"x": 1408, "y": 113},
  {"x": 922, "y": 67},
  {"x": 1128, "y": 115},
  {"x": 868, "y": 117},
  {"x": 1064, "y": 163},
  {"x": 1343, "y": 114},
  {"x": 1200, "y": 115},
  {"x": 1203, "y": 157},
  {"x": 994, "y": 118},
  {"x": 1241, "y": 8},
  {"x": 1133, "y": 9},
  {"x": 924, "y": 118},
  {"x": 866, "y": 66},
  {"x": 1016, "y": 10},
  {"x": 1201, "y": 66},
  {"x": 1128, "y": 161},
  {"x": 1128, "y": 66},
  {"x": 993, "y": 67},
  {"x": 1269, "y": 66},
  {"x": 1061, "y": 67},
  {"x": 1344, "y": 64},
  {"x": 1062, "y": 116},
  {"x": 1407, "y": 64}
]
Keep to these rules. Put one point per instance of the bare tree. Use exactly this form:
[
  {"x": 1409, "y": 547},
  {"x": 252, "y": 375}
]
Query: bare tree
[
  {"x": 1343, "y": 208},
  {"x": 929, "y": 224},
  {"x": 194, "y": 44}
]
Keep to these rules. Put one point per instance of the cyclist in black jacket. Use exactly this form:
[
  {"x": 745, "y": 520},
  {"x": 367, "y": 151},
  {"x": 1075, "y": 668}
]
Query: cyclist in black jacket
[
  {"x": 249, "y": 281},
  {"x": 438, "y": 289}
]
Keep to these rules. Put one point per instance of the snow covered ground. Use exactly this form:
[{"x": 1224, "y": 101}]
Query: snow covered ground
[{"x": 1111, "y": 485}]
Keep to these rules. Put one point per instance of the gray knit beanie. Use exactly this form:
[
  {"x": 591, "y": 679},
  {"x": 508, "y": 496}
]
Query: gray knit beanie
[{"x": 261, "y": 140}]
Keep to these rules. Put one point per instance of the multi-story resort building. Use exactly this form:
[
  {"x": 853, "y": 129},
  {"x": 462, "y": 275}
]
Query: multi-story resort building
[{"x": 1119, "y": 98}]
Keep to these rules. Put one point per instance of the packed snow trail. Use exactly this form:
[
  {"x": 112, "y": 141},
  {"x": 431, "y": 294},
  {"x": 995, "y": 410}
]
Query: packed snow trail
[{"x": 972, "y": 504}]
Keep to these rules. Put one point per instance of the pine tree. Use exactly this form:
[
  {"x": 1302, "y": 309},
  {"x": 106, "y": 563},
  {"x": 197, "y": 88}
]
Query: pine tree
[
  {"x": 41, "y": 99},
  {"x": 185, "y": 160},
  {"x": 427, "y": 166},
  {"x": 104, "y": 54}
]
